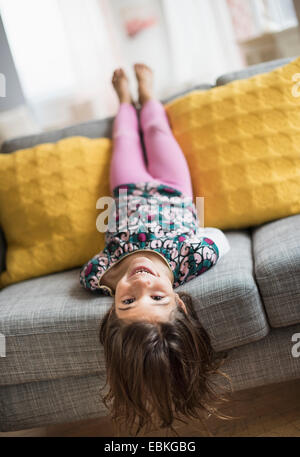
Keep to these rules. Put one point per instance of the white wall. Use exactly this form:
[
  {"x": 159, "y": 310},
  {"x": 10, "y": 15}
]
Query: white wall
[
  {"x": 150, "y": 46},
  {"x": 192, "y": 43},
  {"x": 16, "y": 117}
]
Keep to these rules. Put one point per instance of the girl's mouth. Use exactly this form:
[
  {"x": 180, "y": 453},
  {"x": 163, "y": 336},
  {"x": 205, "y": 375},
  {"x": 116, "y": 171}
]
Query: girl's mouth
[{"x": 141, "y": 270}]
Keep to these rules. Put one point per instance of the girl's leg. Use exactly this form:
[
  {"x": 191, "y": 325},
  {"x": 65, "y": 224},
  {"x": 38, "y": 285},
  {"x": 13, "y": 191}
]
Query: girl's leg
[
  {"x": 127, "y": 163},
  {"x": 166, "y": 161}
]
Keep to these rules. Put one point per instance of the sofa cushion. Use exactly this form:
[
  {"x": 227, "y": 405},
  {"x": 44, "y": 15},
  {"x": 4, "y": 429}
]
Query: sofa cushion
[
  {"x": 51, "y": 324},
  {"x": 276, "y": 248},
  {"x": 51, "y": 329},
  {"x": 242, "y": 143},
  {"x": 48, "y": 196}
]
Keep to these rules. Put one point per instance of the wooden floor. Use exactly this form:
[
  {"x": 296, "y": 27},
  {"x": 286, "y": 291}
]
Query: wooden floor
[{"x": 266, "y": 411}]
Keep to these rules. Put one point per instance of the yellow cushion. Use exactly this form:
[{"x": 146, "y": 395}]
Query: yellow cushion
[
  {"x": 48, "y": 212},
  {"x": 242, "y": 144}
]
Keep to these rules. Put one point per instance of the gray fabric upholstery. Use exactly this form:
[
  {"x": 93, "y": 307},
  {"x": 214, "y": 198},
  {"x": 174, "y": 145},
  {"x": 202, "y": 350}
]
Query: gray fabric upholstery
[
  {"x": 43, "y": 403},
  {"x": 263, "y": 362},
  {"x": 92, "y": 129},
  {"x": 264, "y": 67},
  {"x": 276, "y": 247},
  {"x": 52, "y": 324},
  {"x": 38, "y": 404}
]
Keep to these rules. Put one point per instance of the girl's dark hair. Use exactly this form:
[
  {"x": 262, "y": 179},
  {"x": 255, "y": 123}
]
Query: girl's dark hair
[{"x": 160, "y": 372}]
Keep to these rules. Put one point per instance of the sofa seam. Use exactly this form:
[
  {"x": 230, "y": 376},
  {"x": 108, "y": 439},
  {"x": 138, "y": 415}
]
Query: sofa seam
[{"x": 45, "y": 333}]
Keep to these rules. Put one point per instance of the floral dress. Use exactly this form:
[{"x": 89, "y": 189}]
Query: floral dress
[{"x": 158, "y": 218}]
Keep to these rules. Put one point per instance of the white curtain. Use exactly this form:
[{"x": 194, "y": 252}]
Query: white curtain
[
  {"x": 94, "y": 52},
  {"x": 201, "y": 39},
  {"x": 65, "y": 51}
]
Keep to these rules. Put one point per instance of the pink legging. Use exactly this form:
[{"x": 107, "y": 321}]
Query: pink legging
[{"x": 166, "y": 162}]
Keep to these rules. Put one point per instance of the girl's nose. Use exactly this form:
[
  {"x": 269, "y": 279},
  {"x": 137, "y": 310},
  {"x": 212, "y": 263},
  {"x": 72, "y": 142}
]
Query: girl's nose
[{"x": 142, "y": 280}]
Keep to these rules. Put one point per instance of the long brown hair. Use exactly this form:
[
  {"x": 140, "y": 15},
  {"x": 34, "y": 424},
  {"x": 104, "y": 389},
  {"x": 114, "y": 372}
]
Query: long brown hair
[{"x": 160, "y": 372}]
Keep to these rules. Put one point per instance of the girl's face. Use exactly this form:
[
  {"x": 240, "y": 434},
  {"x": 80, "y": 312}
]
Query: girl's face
[{"x": 146, "y": 295}]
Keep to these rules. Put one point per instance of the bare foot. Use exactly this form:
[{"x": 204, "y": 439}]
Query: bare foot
[
  {"x": 121, "y": 86},
  {"x": 144, "y": 75}
]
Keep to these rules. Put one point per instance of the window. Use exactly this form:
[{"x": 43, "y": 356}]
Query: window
[
  {"x": 273, "y": 15},
  {"x": 38, "y": 44},
  {"x": 253, "y": 18}
]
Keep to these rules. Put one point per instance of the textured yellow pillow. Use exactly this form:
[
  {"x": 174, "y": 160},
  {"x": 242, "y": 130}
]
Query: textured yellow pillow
[
  {"x": 48, "y": 212},
  {"x": 242, "y": 144}
]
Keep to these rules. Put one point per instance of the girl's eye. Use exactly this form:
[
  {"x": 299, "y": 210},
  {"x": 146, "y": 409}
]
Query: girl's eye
[
  {"x": 127, "y": 301},
  {"x": 130, "y": 300}
]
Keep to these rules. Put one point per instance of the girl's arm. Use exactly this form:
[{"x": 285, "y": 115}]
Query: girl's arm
[
  {"x": 198, "y": 255},
  {"x": 92, "y": 271}
]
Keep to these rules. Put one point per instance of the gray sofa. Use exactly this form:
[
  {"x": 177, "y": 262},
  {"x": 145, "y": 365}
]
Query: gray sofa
[{"x": 249, "y": 304}]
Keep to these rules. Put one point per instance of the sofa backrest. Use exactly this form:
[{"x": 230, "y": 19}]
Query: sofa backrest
[
  {"x": 247, "y": 72},
  {"x": 103, "y": 127}
]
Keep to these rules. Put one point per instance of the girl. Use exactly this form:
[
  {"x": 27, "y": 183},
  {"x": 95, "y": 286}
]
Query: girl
[{"x": 158, "y": 356}]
